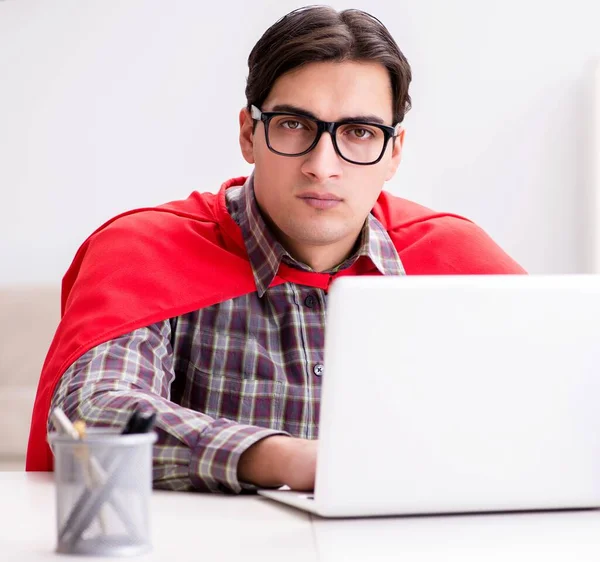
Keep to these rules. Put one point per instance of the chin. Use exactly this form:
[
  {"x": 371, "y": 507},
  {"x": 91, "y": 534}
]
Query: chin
[{"x": 318, "y": 236}]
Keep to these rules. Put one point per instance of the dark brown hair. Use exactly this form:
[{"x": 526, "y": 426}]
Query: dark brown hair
[{"x": 319, "y": 34}]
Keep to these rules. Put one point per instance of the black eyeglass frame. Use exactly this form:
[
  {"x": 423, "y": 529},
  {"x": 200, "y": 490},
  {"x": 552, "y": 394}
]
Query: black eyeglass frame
[{"x": 330, "y": 127}]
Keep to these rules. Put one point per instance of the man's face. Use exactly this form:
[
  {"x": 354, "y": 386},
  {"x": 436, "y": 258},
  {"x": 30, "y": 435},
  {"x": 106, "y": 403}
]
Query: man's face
[{"x": 290, "y": 190}]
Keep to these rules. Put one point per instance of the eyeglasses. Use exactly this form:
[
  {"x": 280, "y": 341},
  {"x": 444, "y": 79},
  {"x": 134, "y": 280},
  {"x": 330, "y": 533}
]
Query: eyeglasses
[{"x": 357, "y": 142}]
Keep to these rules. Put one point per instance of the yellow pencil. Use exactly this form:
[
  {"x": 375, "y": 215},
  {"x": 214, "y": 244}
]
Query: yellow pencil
[{"x": 83, "y": 454}]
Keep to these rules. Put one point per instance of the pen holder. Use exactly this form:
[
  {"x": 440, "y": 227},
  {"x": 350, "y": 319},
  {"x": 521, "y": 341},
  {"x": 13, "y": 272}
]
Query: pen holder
[{"x": 103, "y": 491}]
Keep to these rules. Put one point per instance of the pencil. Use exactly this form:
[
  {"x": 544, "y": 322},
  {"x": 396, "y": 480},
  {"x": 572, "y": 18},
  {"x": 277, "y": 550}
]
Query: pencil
[{"x": 83, "y": 454}]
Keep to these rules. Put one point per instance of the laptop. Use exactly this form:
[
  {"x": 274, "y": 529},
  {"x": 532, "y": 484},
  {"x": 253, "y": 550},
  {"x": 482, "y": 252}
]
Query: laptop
[{"x": 458, "y": 394}]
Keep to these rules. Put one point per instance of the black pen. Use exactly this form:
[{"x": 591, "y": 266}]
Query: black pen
[{"x": 139, "y": 423}]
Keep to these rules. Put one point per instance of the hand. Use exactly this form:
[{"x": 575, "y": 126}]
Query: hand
[
  {"x": 280, "y": 460},
  {"x": 299, "y": 464}
]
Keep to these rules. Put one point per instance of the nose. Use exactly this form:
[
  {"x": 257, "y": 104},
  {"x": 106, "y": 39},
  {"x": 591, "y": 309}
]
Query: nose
[{"x": 322, "y": 162}]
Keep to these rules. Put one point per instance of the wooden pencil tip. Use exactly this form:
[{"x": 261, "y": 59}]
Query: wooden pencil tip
[{"x": 80, "y": 427}]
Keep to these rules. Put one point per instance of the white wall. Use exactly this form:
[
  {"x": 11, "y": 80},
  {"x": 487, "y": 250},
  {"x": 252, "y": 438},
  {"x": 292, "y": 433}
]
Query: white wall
[{"x": 107, "y": 105}]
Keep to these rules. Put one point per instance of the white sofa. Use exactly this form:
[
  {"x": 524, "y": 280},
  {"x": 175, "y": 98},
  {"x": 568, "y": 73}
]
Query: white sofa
[{"x": 29, "y": 317}]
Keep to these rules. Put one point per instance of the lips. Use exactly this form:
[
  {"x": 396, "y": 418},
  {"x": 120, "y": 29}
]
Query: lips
[
  {"x": 321, "y": 200},
  {"x": 320, "y": 196}
]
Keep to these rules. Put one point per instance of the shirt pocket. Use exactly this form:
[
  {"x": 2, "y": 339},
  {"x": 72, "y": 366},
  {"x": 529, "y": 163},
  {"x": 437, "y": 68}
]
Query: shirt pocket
[
  {"x": 245, "y": 401},
  {"x": 233, "y": 377},
  {"x": 236, "y": 357}
]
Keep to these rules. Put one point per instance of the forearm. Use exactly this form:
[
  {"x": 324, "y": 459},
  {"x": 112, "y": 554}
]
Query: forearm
[
  {"x": 193, "y": 450},
  {"x": 263, "y": 463},
  {"x": 278, "y": 461}
]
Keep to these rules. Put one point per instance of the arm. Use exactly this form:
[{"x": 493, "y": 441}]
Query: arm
[
  {"x": 193, "y": 450},
  {"x": 280, "y": 460}
]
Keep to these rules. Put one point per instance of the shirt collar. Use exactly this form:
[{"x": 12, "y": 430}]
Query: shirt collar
[{"x": 265, "y": 253}]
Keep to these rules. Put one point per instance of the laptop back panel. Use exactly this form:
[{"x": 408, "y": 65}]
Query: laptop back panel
[{"x": 460, "y": 394}]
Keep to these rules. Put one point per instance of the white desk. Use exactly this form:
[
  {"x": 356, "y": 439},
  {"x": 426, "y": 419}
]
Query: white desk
[{"x": 203, "y": 527}]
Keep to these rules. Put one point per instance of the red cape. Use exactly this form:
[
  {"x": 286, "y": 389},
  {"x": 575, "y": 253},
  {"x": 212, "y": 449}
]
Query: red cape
[{"x": 151, "y": 264}]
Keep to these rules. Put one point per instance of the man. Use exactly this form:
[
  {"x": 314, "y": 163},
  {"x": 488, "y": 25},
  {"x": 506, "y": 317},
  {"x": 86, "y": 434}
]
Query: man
[{"x": 211, "y": 311}]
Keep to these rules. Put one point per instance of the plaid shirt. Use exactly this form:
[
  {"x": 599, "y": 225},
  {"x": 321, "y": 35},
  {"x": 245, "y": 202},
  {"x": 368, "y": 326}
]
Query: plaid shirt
[{"x": 224, "y": 377}]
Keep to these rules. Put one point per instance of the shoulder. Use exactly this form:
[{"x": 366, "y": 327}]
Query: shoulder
[
  {"x": 431, "y": 242},
  {"x": 396, "y": 213},
  {"x": 198, "y": 208},
  {"x": 170, "y": 225},
  {"x": 174, "y": 241}
]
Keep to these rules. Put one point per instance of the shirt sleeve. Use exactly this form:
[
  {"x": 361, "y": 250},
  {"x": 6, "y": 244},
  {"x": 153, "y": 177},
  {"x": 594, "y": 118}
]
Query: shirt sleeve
[{"x": 193, "y": 450}]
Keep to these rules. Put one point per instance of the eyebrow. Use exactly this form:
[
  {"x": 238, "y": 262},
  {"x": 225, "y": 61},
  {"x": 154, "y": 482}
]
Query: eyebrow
[{"x": 287, "y": 108}]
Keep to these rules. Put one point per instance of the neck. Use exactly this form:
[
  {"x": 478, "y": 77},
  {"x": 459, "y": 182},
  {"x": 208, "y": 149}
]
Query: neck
[{"x": 319, "y": 258}]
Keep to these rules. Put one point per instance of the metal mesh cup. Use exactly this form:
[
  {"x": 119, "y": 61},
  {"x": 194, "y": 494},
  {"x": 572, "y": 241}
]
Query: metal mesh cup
[{"x": 103, "y": 490}]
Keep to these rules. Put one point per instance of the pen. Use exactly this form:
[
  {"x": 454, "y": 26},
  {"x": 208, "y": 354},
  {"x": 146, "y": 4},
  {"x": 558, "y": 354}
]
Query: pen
[
  {"x": 89, "y": 503},
  {"x": 98, "y": 475},
  {"x": 83, "y": 454},
  {"x": 139, "y": 423}
]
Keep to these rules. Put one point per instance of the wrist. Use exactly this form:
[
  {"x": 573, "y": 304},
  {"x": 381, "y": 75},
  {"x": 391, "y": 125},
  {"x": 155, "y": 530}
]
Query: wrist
[{"x": 265, "y": 463}]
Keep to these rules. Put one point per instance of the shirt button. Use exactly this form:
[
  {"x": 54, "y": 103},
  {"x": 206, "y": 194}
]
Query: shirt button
[
  {"x": 318, "y": 369},
  {"x": 310, "y": 301}
]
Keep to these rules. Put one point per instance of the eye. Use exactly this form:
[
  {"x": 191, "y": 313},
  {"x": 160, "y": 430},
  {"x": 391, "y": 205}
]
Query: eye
[
  {"x": 292, "y": 125},
  {"x": 358, "y": 132},
  {"x": 361, "y": 133}
]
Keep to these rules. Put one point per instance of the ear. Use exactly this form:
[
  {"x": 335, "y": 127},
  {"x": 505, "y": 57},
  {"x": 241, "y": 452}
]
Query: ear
[
  {"x": 398, "y": 143},
  {"x": 246, "y": 135}
]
